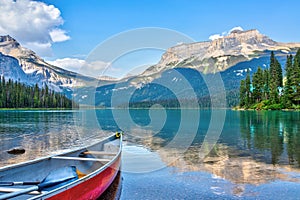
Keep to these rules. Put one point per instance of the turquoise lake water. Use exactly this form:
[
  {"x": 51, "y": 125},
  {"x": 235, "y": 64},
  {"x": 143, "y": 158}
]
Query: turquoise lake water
[{"x": 245, "y": 154}]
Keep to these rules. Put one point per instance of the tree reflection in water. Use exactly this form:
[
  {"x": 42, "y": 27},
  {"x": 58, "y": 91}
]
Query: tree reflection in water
[{"x": 272, "y": 134}]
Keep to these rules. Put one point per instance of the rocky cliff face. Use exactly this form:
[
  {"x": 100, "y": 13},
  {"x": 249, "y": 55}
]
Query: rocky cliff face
[
  {"x": 219, "y": 54},
  {"x": 10, "y": 68},
  {"x": 36, "y": 69}
]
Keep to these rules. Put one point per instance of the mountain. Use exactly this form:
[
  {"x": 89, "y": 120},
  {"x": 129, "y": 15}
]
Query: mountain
[
  {"x": 10, "y": 68},
  {"x": 231, "y": 55},
  {"x": 219, "y": 54},
  {"x": 182, "y": 69},
  {"x": 19, "y": 63}
]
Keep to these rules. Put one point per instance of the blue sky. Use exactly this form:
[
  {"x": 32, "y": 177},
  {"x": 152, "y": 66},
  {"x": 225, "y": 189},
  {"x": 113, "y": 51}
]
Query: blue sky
[
  {"x": 91, "y": 21},
  {"x": 82, "y": 24}
]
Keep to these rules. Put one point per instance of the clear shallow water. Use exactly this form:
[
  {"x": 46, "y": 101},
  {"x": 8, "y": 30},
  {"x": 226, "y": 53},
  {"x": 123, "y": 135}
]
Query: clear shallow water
[
  {"x": 257, "y": 155},
  {"x": 43, "y": 133}
]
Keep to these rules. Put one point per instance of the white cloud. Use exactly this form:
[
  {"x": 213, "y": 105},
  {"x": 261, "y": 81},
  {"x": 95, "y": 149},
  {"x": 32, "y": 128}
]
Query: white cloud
[
  {"x": 100, "y": 68},
  {"x": 225, "y": 33},
  {"x": 58, "y": 35},
  {"x": 96, "y": 68},
  {"x": 93, "y": 69},
  {"x": 32, "y": 22},
  {"x": 71, "y": 64}
]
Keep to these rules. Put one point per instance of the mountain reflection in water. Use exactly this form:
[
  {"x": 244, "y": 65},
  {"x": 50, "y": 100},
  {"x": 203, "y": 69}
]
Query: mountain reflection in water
[{"x": 265, "y": 148}]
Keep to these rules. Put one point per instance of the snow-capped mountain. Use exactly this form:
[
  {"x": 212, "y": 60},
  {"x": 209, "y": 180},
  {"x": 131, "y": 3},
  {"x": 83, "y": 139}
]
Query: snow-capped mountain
[{"x": 22, "y": 64}]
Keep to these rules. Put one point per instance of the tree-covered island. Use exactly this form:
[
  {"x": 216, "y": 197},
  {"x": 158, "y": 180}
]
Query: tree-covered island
[{"x": 269, "y": 89}]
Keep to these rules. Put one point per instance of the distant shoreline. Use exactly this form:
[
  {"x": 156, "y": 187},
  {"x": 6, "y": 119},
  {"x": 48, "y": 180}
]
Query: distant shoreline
[
  {"x": 20, "y": 109},
  {"x": 252, "y": 109}
]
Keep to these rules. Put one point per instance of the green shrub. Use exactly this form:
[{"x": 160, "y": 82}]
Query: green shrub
[{"x": 275, "y": 107}]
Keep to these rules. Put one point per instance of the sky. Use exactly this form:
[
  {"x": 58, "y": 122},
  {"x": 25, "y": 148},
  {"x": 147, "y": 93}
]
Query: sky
[{"x": 66, "y": 32}]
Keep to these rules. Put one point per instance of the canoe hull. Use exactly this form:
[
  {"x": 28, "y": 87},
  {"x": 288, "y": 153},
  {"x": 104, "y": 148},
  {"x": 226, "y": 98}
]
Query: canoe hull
[{"x": 91, "y": 188}]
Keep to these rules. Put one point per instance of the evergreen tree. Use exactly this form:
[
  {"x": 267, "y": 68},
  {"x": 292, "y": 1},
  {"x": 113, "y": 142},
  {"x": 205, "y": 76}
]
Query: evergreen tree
[
  {"x": 274, "y": 93},
  {"x": 288, "y": 89},
  {"x": 266, "y": 88},
  {"x": 275, "y": 70},
  {"x": 272, "y": 66},
  {"x": 258, "y": 85},
  {"x": 275, "y": 79},
  {"x": 46, "y": 97},
  {"x": 36, "y": 96},
  {"x": 248, "y": 90},
  {"x": 242, "y": 93},
  {"x": 279, "y": 73}
]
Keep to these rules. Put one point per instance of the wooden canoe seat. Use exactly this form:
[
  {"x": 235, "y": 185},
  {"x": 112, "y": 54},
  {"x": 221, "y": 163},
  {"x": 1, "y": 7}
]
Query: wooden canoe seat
[
  {"x": 104, "y": 153},
  {"x": 81, "y": 159}
]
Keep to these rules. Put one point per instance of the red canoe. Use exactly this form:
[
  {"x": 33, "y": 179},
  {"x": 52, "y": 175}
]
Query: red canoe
[{"x": 83, "y": 173}]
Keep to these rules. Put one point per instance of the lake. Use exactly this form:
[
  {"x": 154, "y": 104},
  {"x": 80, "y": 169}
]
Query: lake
[{"x": 174, "y": 154}]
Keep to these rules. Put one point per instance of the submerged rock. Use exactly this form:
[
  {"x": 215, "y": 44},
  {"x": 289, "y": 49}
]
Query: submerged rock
[{"x": 16, "y": 150}]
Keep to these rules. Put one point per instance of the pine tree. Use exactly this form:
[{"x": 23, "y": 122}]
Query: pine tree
[
  {"x": 258, "y": 85},
  {"x": 273, "y": 93},
  {"x": 275, "y": 79},
  {"x": 248, "y": 90},
  {"x": 36, "y": 96},
  {"x": 272, "y": 63},
  {"x": 266, "y": 88},
  {"x": 288, "y": 89},
  {"x": 8, "y": 94},
  {"x": 275, "y": 70},
  {"x": 279, "y": 73},
  {"x": 46, "y": 96},
  {"x": 242, "y": 93}
]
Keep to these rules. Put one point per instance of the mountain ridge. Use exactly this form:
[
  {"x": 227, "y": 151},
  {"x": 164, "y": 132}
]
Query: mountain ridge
[
  {"x": 219, "y": 54},
  {"x": 39, "y": 71}
]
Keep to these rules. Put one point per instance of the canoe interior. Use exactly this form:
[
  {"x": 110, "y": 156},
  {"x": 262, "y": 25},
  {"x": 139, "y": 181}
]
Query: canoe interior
[{"x": 38, "y": 169}]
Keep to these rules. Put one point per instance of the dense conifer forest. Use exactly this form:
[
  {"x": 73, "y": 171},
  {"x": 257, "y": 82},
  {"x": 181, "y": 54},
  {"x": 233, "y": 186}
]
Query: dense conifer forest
[{"x": 14, "y": 94}]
